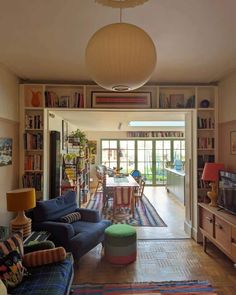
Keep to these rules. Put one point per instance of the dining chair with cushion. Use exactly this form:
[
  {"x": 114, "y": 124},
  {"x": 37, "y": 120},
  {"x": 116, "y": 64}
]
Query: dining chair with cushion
[
  {"x": 123, "y": 198},
  {"x": 139, "y": 193}
]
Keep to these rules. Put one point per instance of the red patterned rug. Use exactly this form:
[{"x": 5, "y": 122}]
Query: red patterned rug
[{"x": 162, "y": 288}]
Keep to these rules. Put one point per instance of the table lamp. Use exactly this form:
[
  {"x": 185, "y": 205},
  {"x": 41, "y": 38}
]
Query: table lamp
[
  {"x": 211, "y": 173},
  {"x": 17, "y": 201}
]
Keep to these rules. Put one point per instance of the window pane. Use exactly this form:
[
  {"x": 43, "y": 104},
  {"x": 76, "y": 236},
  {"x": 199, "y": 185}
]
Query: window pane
[
  {"x": 113, "y": 144},
  {"x": 140, "y": 144},
  {"x": 159, "y": 144},
  {"x": 167, "y": 144},
  {"x": 176, "y": 144}
]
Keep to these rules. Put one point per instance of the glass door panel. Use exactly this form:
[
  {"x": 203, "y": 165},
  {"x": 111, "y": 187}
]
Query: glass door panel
[
  {"x": 127, "y": 155},
  {"x": 144, "y": 159},
  {"x": 163, "y": 155},
  {"x": 109, "y": 153}
]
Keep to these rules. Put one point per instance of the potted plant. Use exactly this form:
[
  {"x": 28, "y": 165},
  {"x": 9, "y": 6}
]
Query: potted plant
[{"x": 78, "y": 136}]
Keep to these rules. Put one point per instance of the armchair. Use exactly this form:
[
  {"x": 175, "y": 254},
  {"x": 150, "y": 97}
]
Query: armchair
[{"x": 78, "y": 237}]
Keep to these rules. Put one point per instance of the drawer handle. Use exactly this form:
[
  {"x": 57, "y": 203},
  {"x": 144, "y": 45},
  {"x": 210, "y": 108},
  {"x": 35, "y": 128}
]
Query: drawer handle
[
  {"x": 209, "y": 219},
  {"x": 233, "y": 241},
  {"x": 218, "y": 225}
]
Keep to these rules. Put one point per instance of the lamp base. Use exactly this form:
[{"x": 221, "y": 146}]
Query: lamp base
[
  {"x": 21, "y": 223},
  {"x": 212, "y": 195}
]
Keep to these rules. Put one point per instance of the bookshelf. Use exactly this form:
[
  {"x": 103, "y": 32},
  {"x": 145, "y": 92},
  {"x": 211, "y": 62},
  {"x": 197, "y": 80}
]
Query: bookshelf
[
  {"x": 32, "y": 139},
  {"x": 207, "y": 130},
  {"x": 76, "y": 170}
]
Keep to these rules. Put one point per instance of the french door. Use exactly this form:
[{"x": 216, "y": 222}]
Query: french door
[{"x": 149, "y": 156}]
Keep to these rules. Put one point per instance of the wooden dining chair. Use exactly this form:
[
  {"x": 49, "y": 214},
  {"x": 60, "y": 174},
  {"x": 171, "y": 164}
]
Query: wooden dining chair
[
  {"x": 139, "y": 193},
  {"x": 123, "y": 198}
]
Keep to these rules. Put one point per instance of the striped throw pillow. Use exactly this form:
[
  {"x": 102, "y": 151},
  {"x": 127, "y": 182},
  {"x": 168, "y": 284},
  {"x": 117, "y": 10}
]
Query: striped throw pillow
[
  {"x": 42, "y": 257},
  {"x": 15, "y": 241},
  {"x": 72, "y": 217}
]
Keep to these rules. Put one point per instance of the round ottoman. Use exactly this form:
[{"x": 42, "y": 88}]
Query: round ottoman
[{"x": 120, "y": 244}]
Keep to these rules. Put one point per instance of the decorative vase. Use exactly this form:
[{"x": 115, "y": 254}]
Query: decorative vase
[
  {"x": 205, "y": 103},
  {"x": 35, "y": 100}
]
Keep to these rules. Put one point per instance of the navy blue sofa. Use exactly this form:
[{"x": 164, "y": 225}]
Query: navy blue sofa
[
  {"x": 53, "y": 279},
  {"x": 78, "y": 237}
]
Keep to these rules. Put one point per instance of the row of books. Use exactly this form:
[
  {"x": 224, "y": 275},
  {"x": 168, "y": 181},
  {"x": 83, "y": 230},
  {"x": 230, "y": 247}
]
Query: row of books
[
  {"x": 33, "y": 141},
  {"x": 52, "y": 100},
  {"x": 31, "y": 179},
  {"x": 33, "y": 121},
  {"x": 155, "y": 134},
  {"x": 201, "y": 183},
  {"x": 206, "y": 143},
  {"x": 205, "y": 123},
  {"x": 33, "y": 162},
  {"x": 202, "y": 159}
]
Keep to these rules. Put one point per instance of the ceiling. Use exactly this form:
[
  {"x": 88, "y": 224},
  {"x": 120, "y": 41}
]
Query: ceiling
[
  {"x": 45, "y": 40},
  {"x": 94, "y": 120}
]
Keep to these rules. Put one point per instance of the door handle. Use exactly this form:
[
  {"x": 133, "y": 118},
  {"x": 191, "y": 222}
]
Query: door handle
[
  {"x": 209, "y": 219},
  {"x": 219, "y": 225}
]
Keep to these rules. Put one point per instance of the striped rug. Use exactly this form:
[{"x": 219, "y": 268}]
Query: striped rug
[
  {"x": 162, "y": 288},
  {"x": 145, "y": 214}
]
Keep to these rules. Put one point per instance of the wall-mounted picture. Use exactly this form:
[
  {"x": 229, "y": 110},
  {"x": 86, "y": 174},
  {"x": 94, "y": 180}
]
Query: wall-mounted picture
[
  {"x": 5, "y": 151},
  {"x": 124, "y": 100},
  {"x": 64, "y": 135},
  {"x": 177, "y": 101},
  {"x": 233, "y": 142}
]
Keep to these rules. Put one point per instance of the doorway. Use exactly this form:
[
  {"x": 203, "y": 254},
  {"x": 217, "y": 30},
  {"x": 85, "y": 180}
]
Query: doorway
[{"x": 154, "y": 150}]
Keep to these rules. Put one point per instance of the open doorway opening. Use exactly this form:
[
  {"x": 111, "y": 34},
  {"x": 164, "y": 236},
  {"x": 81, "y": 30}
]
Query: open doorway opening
[{"x": 148, "y": 149}]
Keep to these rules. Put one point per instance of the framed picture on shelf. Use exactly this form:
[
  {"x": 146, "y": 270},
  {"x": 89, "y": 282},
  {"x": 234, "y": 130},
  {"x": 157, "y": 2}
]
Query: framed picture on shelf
[
  {"x": 121, "y": 100},
  {"x": 233, "y": 142},
  {"x": 64, "y": 135},
  {"x": 177, "y": 101}
]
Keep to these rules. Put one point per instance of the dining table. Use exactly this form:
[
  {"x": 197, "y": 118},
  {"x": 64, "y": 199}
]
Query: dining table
[{"x": 123, "y": 181}]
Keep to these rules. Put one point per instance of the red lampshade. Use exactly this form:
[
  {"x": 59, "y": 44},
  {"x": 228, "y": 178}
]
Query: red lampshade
[{"x": 211, "y": 171}]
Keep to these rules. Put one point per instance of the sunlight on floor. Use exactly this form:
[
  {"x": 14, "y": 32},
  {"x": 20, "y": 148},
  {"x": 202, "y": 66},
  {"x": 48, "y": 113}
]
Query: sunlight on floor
[{"x": 170, "y": 210}]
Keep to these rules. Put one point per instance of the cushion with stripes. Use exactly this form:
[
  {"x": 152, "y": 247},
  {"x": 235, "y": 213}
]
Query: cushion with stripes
[
  {"x": 72, "y": 217},
  {"x": 15, "y": 241},
  {"x": 43, "y": 257}
]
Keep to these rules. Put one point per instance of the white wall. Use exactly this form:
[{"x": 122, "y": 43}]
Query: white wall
[
  {"x": 9, "y": 95},
  {"x": 9, "y": 127},
  {"x": 227, "y": 99},
  {"x": 227, "y": 119}
]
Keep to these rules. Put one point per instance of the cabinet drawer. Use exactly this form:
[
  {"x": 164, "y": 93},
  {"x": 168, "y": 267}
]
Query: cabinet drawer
[
  {"x": 233, "y": 242},
  {"x": 223, "y": 233},
  {"x": 206, "y": 221}
]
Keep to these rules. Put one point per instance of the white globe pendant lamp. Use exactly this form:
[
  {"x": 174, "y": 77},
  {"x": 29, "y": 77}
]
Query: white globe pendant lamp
[{"x": 120, "y": 56}]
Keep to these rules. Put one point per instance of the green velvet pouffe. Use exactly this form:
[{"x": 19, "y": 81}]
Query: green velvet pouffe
[{"x": 120, "y": 244}]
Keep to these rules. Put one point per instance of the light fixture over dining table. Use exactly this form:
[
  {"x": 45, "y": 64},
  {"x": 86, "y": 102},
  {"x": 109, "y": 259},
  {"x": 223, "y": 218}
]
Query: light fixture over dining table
[{"x": 120, "y": 56}]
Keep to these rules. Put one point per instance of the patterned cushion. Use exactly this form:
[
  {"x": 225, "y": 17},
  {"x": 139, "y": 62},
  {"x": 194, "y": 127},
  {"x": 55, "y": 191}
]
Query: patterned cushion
[
  {"x": 72, "y": 217},
  {"x": 44, "y": 257},
  {"x": 12, "y": 243},
  {"x": 11, "y": 268}
]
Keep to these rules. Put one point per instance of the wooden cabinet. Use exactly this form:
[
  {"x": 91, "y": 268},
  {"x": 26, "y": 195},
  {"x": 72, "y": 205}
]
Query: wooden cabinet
[{"x": 219, "y": 227}]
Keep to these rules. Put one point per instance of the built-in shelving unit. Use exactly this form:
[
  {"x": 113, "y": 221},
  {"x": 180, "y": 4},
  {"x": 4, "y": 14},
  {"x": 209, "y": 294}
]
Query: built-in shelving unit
[
  {"x": 76, "y": 170},
  {"x": 38, "y": 99}
]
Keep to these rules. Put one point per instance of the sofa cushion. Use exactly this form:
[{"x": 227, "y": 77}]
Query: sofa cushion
[
  {"x": 53, "y": 279},
  {"x": 70, "y": 218},
  {"x": 42, "y": 257},
  {"x": 15, "y": 241},
  {"x": 11, "y": 269},
  {"x": 54, "y": 209}
]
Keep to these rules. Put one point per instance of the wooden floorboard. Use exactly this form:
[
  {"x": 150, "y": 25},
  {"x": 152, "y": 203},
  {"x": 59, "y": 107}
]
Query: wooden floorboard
[
  {"x": 157, "y": 261},
  {"x": 164, "y": 254}
]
